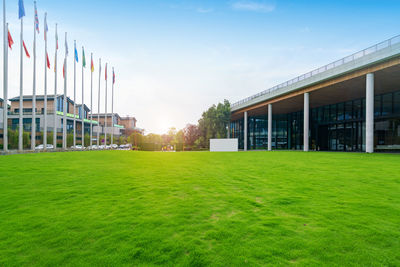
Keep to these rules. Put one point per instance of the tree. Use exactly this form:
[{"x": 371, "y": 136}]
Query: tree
[
  {"x": 213, "y": 122},
  {"x": 191, "y": 133}
]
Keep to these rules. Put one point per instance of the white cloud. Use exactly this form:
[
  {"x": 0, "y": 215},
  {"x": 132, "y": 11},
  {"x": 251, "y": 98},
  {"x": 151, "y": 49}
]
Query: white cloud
[{"x": 253, "y": 6}]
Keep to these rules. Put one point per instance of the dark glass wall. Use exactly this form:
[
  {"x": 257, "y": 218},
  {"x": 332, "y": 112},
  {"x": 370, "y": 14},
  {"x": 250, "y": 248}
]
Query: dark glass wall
[{"x": 336, "y": 127}]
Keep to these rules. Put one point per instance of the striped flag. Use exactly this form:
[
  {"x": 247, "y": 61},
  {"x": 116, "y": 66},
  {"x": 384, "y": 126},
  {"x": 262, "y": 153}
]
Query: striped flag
[
  {"x": 36, "y": 19},
  {"x": 46, "y": 29},
  {"x": 26, "y": 50},
  {"x": 76, "y": 55},
  {"x": 83, "y": 58},
  {"x": 92, "y": 66},
  {"x": 10, "y": 40}
]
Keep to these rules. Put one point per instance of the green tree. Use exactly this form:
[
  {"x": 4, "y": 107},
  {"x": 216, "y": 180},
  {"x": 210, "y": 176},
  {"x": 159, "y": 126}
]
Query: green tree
[{"x": 213, "y": 123}]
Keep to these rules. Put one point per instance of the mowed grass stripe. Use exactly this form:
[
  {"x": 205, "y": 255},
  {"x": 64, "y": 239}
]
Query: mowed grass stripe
[{"x": 199, "y": 208}]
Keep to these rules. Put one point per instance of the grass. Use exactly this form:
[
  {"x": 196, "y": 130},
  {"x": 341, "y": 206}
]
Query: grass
[{"x": 117, "y": 208}]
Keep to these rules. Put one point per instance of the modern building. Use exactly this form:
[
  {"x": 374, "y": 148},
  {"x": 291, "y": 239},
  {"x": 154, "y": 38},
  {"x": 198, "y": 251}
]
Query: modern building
[
  {"x": 352, "y": 104},
  {"x": 129, "y": 124},
  {"x": 54, "y": 109},
  {"x": 107, "y": 128}
]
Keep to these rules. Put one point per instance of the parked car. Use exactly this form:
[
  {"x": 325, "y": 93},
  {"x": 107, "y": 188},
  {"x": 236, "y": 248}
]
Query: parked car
[
  {"x": 77, "y": 147},
  {"x": 125, "y": 147},
  {"x": 101, "y": 147},
  {"x": 114, "y": 146},
  {"x": 94, "y": 147},
  {"x": 41, "y": 147},
  {"x": 108, "y": 147}
]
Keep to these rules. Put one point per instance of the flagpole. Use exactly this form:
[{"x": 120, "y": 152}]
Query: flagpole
[
  {"x": 45, "y": 84},
  {"x": 83, "y": 106},
  {"x": 105, "y": 114},
  {"x": 55, "y": 103},
  {"x": 98, "y": 106},
  {"x": 74, "y": 143},
  {"x": 33, "y": 130},
  {"x": 21, "y": 93},
  {"x": 65, "y": 102},
  {"x": 5, "y": 81},
  {"x": 91, "y": 100},
  {"x": 112, "y": 110}
]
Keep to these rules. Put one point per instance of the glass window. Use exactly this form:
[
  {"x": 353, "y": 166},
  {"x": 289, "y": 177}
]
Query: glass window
[
  {"x": 348, "y": 110},
  {"x": 387, "y": 104},
  {"x": 333, "y": 114},
  {"x": 357, "y": 111},
  {"x": 320, "y": 114},
  {"x": 378, "y": 105},
  {"x": 396, "y": 103},
  {"x": 326, "y": 113},
  {"x": 340, "y": 111}
]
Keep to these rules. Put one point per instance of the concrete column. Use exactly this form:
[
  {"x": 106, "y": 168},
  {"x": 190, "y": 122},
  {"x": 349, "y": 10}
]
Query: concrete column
[
  {"x": 369, "y": 114},
  {"x": 245, "y": 132},
  {"x": 306, "y": 126},
  {"x": 269, "y": 127}
]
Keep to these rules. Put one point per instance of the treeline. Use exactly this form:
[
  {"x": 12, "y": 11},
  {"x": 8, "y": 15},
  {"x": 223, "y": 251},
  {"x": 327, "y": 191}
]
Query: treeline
[{"x": 212, "y": 124}]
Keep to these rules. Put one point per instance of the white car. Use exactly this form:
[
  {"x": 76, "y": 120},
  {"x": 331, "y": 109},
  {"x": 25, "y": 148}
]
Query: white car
[
  {"x": 94, "y": 147},
  {"x": 114, "y": 146},
  {"x": 77, "y": 147},
  {"x": 101, "y": 147},
  {"x": 108, "y": 147},
  {"x": 41, "y": 147}
]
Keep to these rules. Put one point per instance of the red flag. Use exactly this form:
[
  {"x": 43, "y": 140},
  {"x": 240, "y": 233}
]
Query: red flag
[
  {"x": 48, "y": 61},
  {"x": 26, "y": 50},
  {"x": 10, "y": 40}
]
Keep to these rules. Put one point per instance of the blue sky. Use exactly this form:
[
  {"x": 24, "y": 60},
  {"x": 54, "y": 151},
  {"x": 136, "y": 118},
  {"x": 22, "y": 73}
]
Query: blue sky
[{"x": 174, "y": 59}]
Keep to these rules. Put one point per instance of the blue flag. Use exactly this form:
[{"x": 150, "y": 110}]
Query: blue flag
[
  {"x": 76, "y": 55},
  {"x": 21, "y": 9}
]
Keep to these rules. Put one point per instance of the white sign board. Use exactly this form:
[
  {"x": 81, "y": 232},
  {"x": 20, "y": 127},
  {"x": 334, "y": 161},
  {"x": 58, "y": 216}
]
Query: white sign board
[{"x": 224, "y": 145}]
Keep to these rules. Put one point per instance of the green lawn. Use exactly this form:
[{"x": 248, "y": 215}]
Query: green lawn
[{"x": 128, "y": 208}]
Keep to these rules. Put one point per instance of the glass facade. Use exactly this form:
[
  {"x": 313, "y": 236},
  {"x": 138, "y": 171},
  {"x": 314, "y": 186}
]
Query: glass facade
[
  {"x": 336, "y": 127},
  {"x": 27, "y": 124}
]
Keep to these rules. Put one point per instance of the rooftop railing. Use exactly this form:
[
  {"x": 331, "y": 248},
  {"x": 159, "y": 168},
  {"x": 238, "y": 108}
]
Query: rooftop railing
[{"x": 357, "y": 55}]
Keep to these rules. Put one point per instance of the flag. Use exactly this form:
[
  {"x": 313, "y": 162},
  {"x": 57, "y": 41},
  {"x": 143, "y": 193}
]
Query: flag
[
  {"x": 10, "y": 40},
  {"x": 92, "y": 66},
  {"x": 83, "y": 58},
  {"x": 113, "y": 77},
  {"x": 26, "y": 50},
  {"x": 48, "y": 61},
  {"x": 36, "y": 20},
  {"x": 46, "y": 29},
  {"x": 21, "y": 9},
  {"x": 106, "y": 72},
  {"x": 76, "y": 55}
]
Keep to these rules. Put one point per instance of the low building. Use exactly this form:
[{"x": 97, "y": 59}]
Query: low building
[
  {"x": 112, "y": 120},
  {"x": 55, "y": 108},
  {"x": 129, "y": 124},
  {"x": 352, "y": 104}
]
